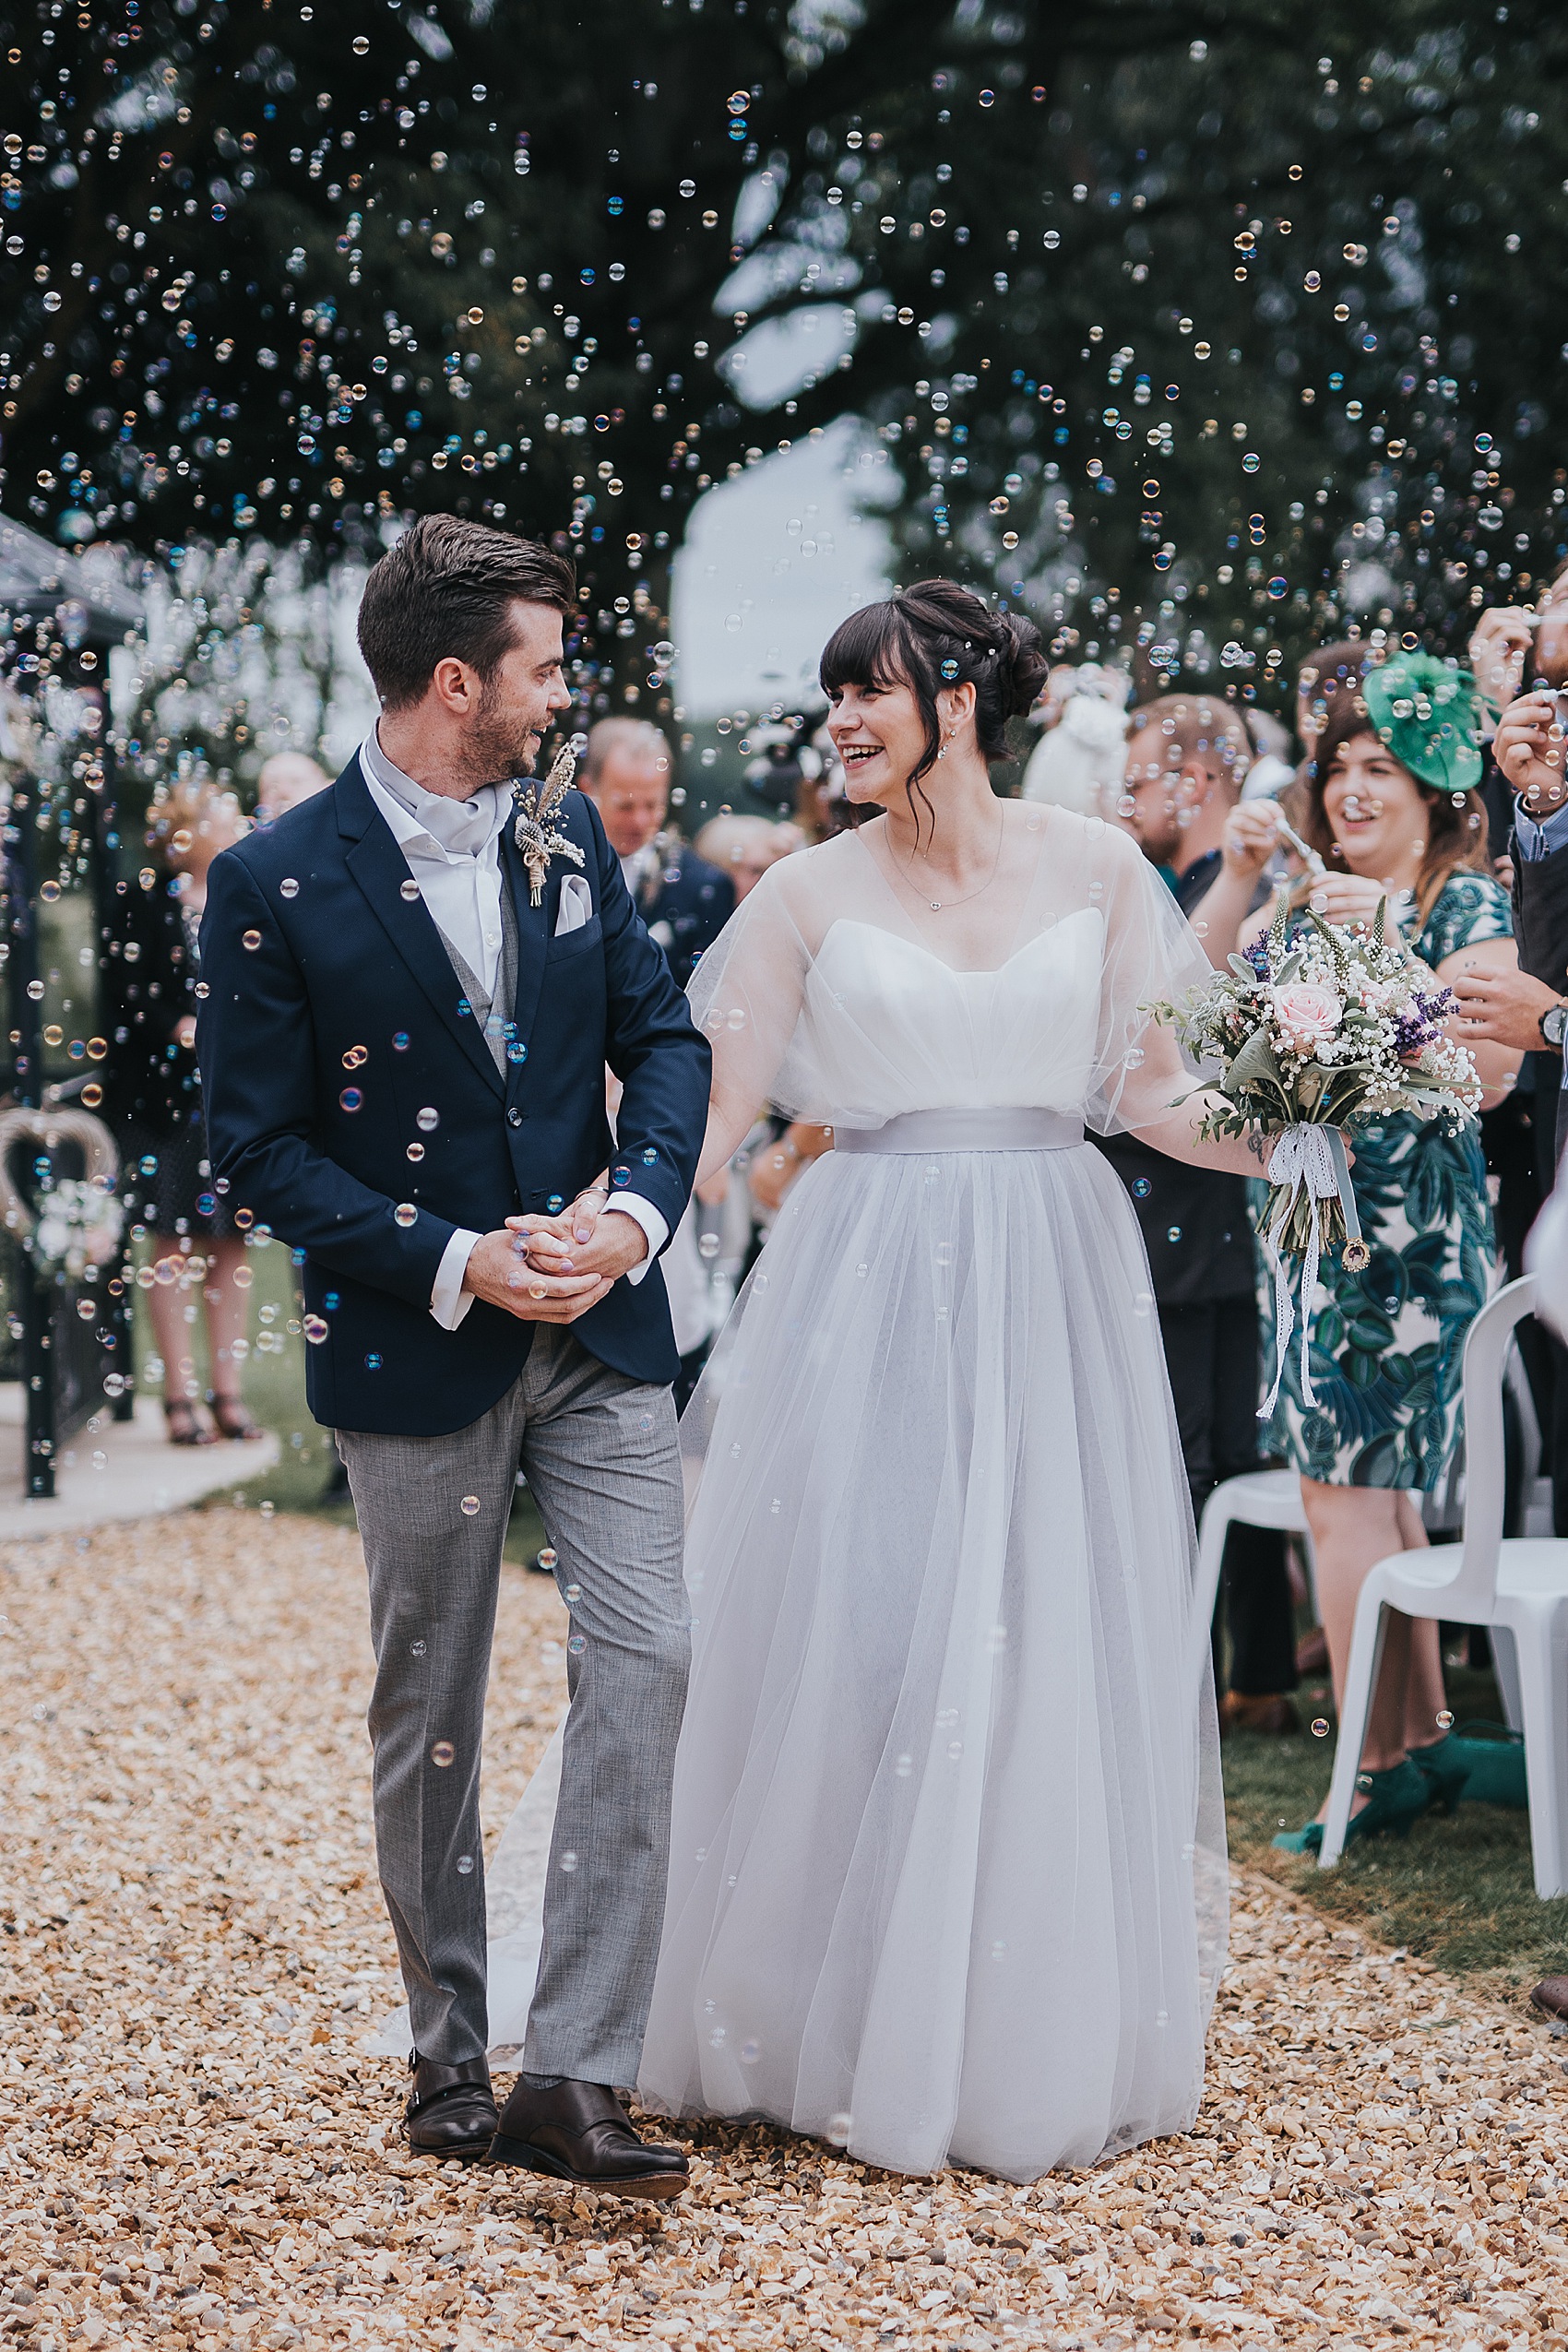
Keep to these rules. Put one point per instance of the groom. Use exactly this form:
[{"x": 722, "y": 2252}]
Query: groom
[{"x": 401, "y": 1050}]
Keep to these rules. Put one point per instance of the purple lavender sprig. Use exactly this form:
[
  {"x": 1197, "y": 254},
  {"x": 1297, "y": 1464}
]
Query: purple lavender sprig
[{"x": 1419, "y": 1023}]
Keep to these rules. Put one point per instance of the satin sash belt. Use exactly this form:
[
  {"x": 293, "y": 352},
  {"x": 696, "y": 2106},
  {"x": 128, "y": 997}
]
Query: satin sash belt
[{"x": 958, "y": 1129}]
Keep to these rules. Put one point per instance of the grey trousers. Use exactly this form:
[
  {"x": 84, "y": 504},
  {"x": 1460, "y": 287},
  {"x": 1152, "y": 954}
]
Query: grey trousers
[{"x": 600, "y": 1452}]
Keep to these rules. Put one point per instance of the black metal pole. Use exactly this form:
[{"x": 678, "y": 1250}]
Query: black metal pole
[
  {"x": 35, "y": 1299},
  {"x": 118, "y": 1315}
]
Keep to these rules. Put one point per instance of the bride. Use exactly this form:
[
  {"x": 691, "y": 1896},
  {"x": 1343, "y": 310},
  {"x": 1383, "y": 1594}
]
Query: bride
[{"x": 947, "y": 1878}]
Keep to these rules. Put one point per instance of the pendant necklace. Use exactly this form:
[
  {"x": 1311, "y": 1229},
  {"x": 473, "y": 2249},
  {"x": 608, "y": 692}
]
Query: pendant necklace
[{"x": 937, "y": 905}]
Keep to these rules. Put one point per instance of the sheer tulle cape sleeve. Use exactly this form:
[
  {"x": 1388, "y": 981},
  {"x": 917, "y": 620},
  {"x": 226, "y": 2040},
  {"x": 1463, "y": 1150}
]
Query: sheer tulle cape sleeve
[
  {"x": 1152, "y": 956},
  {"x": 747, "y": 996}
]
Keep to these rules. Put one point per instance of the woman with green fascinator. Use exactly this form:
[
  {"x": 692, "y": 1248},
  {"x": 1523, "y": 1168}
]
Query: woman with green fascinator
[{"x": 1394, "y": 813}]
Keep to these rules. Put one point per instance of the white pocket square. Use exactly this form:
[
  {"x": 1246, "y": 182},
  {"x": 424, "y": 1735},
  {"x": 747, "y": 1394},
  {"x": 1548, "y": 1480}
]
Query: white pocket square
[{"x": 577, "y": 905}]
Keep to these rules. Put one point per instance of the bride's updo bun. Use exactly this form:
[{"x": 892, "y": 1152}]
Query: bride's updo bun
[{"x": 935, "y": 634}]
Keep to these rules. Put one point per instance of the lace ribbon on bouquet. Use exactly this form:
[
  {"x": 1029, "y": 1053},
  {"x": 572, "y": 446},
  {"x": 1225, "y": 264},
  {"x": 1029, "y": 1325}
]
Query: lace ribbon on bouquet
[{"x": 1310, "y": 1159}]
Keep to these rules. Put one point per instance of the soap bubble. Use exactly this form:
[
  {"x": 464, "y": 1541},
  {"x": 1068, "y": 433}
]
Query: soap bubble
[
  {"x": 547, "y": 1559},
  {"x": 1320, "y": 1727},
  {"x": 351, "y": 1099},
  {"x": 469, "y": 1507},
  {"x": 577, "y": 1644},
  {"x": 427, "y": 1119},
  {"x": 400, "y": 1041},
  {"x": 405, "y": 1214},
  {"x": 443, "y": 1753},
  {"x": 316, "y": 1329},
  {"x": 410, "y": 889},
  {"x": 1445, "y": 1719},
  {"x": 414, "y": 1151},
  {"x": 287, "y": 887},
  {"x": 464, "y": 1865},
  {"x": 251, "y": 938}
]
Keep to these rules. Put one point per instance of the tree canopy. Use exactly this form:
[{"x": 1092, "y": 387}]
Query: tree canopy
[{"x": 1204, "y": 322}]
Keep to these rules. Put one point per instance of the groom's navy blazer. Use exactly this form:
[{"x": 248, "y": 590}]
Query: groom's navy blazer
[{"x": 355, "y": 1110}]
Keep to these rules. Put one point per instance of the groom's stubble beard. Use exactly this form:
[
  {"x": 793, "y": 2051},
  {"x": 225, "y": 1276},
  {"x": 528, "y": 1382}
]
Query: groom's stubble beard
[{"x": 500, "y": 744}]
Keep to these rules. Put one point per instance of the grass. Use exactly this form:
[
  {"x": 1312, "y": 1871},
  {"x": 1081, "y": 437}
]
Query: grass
[{"x": 1457, "y": 1892}]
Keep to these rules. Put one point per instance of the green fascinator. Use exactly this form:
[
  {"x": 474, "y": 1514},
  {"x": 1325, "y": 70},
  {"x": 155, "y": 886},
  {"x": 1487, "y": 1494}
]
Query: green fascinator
[{"x": 1427, "y": 715}]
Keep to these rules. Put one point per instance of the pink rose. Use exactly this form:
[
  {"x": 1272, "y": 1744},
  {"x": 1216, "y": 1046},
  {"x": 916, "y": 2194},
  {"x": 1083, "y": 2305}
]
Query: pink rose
[{"x": 1307, "y": 1014}]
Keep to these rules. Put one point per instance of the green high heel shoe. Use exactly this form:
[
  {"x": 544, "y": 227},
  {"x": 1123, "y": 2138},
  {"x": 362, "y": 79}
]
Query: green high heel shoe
[
  {"x": 1396, "y": 1801},
  {"x": 1446, "y": 1768}
]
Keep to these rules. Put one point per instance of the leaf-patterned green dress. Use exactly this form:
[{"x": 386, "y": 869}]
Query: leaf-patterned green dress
[{"x": 1386, "y": 1343}]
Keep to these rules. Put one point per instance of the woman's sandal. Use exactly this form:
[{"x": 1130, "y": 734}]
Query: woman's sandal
[
  {"x": 1396, "y": 1801},
  {"x": 233, "y": 1421},
  {"x": 183, "y": 1427}
]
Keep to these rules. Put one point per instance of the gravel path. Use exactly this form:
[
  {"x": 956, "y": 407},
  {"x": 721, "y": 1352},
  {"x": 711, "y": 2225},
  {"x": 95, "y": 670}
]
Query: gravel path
[{"x": 192, "y": 2141}]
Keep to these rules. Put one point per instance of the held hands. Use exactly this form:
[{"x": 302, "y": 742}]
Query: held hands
[
  {"x": 1252, "y": 833},
  {"x": 501, "y": 1271},
  {"x": 581, "y": 1241},
  {"x": 1528, "y": 747}
]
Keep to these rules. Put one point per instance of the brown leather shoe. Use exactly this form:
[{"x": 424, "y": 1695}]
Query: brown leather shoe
[
  {"x": 578, "y": 2132},
  {"x": 1271, "y": 1714},
  {"x": 451, "y": 2109},
  {"x": 1552, "y": 1994}
]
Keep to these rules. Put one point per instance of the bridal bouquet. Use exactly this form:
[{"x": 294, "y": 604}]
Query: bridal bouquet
[{"x": 1305, "y": 1038}]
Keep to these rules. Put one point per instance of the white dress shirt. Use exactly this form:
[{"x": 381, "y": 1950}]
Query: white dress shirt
[{"x": 453, "y": 851}]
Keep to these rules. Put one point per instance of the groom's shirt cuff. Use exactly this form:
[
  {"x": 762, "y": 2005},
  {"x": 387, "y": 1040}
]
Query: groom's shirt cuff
[
  {"x": 653, "y": 1225},
  {"x": 449, "y": 1302}
]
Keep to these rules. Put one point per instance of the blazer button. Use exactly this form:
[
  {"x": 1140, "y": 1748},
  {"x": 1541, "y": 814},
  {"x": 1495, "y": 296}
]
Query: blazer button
[{"x": 514, "y": 1118}]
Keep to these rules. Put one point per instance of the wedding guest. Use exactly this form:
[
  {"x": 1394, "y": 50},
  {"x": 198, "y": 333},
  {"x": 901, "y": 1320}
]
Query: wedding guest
[
  {"x": 1395, "y": 818},
  {"x": 1273, "y": 769},
  {"x": 744, "y": 847},
  {"x": 286, "y": 780},
  {"x": 1527, "y": 1008},
  {"x": 683, "y": 901},
  {"x": 1327, "y": 682},
  {"x": 1186, "y": 757},
  {"x": 152, "y": 1098}
]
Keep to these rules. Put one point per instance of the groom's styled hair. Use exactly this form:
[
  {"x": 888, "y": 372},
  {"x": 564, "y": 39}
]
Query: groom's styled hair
[{"x": 446, "y": 590}]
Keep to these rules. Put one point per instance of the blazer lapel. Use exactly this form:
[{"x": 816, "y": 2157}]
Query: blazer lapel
[
  {"x": 379, "y": 868},
  {"x": 535, "y": 925}
]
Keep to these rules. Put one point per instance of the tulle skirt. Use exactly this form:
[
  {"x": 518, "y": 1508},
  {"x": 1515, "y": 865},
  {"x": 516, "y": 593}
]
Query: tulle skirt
[{"x": 947, "y": 1873}]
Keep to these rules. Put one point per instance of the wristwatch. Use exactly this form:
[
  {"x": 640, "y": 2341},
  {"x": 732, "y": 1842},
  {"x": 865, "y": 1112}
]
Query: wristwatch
[{"x": 1553, "y": 1022}]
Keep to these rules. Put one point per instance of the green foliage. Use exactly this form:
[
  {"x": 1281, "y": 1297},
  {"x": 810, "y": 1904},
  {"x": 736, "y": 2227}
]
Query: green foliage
[{"x": 1191, "y": 326}]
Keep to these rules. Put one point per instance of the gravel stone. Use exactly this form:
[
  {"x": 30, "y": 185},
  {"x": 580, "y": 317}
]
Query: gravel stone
[{"x": 193, "y": 2145}]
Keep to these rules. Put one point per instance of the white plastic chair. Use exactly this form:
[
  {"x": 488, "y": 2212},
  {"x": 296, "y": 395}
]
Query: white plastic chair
[
  {"x": 1519, "y": 1586},
  {"x": 1256, "y": 1499}
]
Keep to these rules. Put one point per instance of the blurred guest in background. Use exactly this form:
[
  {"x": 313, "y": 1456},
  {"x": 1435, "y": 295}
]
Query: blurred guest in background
[
  {"x": 152, "y": 1099},
  {"x": 685, "y": 902},
  {"x": 1078, "y": 762},
  {"x": 744, "y": 847},
  {"x": 1186, "y": 757},
  {"x": 1272, "y": 769},
  {"x": 1328, "y": 682},
  {"x": 286, "y": 780},
  {"x": 1528, "y": 1008}
]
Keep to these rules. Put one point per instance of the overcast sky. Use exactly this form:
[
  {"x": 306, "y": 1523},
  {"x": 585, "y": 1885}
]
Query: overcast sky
[{"x": 771, "y": 563}]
